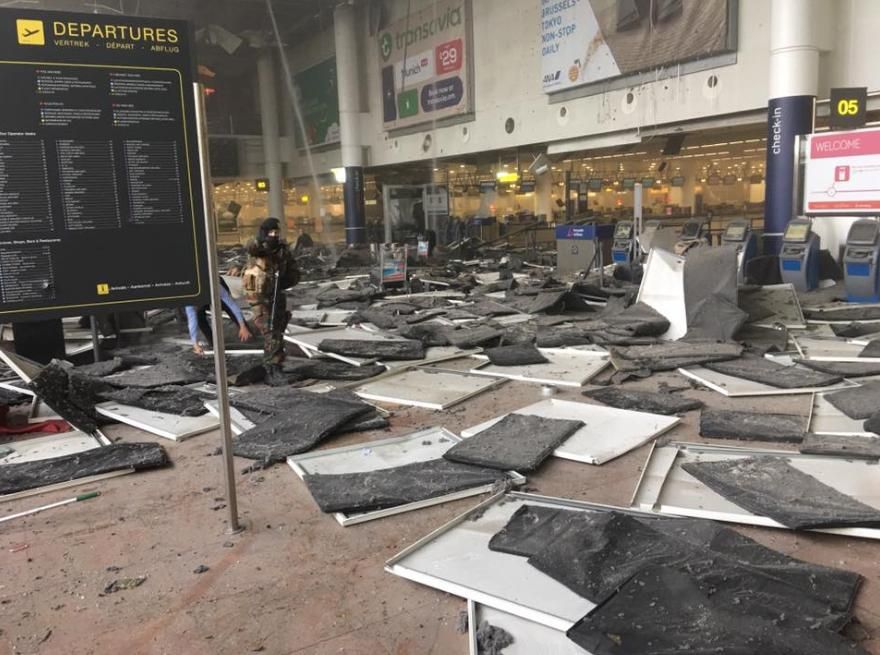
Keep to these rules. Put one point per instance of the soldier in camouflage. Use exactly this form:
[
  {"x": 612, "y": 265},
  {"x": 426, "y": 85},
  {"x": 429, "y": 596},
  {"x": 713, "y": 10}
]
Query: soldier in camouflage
[{"x": 271, "y": 269}]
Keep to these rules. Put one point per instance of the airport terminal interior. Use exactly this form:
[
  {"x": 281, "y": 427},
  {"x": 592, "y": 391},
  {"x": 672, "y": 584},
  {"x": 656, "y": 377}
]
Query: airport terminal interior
[{"x": 439, "y": 327}]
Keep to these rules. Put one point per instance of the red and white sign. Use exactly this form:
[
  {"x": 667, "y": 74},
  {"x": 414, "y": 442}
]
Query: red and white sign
[
  {"x": 449, "y": 56},
  {"x": 843, "y": 173}
]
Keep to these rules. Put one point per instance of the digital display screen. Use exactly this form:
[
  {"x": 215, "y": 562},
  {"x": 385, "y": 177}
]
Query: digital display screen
[
  {"x": 735, "y": 233},
  {"x": 629, "y": 182},
  {"x": 797, "y": 232},
  {"x": 863, "y": 233},
  {"x": 678, "y": 180},
  {"x": 623, "y": 231},
  {"x": 595, "y": 184},
  {"x": 690, "y": 230}
]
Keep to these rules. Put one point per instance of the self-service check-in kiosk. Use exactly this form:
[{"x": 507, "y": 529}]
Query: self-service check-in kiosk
[
  {"x": 623, "y": 247},
  {"x": 739, "y": 233},
  {"x": 693, "y": 233},
  {"x": 799, "y": 257},
  {"x": 860, "y": 265}
]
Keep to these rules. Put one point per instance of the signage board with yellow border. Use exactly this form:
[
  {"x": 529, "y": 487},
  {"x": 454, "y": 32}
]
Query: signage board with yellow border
[{"x": 100, "y": 182}]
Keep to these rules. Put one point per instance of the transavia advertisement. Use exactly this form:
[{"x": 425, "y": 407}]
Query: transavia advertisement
[{"x": 425, "y": 62}]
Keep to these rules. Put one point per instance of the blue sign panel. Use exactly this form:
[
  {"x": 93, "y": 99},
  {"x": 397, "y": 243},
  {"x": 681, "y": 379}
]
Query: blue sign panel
[{"x": 442, "y": 94}]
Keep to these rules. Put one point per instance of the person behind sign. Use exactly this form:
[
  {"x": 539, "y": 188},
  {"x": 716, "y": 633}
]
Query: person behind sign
[
  {"x": 271, "y": 269},
  {"x": 197, "y": 319}
]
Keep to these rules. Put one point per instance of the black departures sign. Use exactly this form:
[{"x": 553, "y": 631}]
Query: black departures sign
[
  {"x": 100, "y": 183},
  {"x": 848, "y": 108}
]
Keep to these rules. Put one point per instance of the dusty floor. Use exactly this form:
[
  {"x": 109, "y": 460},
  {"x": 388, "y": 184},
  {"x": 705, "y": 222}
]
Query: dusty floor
[{"x": 294, "y": 581}]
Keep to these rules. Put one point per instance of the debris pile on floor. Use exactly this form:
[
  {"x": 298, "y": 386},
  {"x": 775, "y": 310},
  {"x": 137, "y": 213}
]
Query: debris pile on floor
[{"x": 633, "y": 360}]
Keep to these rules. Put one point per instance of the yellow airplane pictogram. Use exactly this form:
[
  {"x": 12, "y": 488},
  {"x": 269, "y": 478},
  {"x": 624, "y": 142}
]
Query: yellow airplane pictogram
[{"x": 30, "y": 32}]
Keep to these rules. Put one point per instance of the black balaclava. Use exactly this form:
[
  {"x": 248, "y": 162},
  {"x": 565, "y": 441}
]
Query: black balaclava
[{"x": 263, "y": 233}]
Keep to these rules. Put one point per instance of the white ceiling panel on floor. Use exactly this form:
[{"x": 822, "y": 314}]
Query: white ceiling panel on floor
[
  {"x": 773, "y": 305},
  {"x": 826, "y": 419},
  {"x": 529, "y": 637},
  {"x": 24, "y": 368},
  {"x": 456, "y": 559},
  {"x": 431, "y": 388},
  {"x": 607, "y": 433},
  {"x": 238, "y": 422},
  {"x": 831, "y": 350},
  {"x": 168, "y": 426},
  {"x": 421, "y": 446},
  {"x": 311, "y": 340},
  {"x": 734, "y": 387},
  {"x": 836, "y": 313},
  {"x": 665, "y": 488},
  {"x": 566, "y": 367},
  {"x": 663, "y": 289},
  {"x": 47, "y": 446}
]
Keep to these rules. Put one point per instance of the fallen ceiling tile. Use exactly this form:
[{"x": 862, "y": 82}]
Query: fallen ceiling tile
[
  {"x": 430, "y": 388},
  {"x": 665, "y": 487},
  {"x": 567, "y": 367},
  {"x": 421, "y": 446},
  {"x": 607, "y": 432}
]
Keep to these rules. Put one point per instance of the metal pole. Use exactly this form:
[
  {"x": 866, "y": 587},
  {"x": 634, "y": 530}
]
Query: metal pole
[
  {"x": 569, "y": 214},
  {"x": 386, "y": 209},
  {"x": 638, "y": 201},
  {"x": 216, "y": 317},
  {"x": 95, "y": 341}
]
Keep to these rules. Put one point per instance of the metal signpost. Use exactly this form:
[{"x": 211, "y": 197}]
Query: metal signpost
[{"x": 104, "y": 187}]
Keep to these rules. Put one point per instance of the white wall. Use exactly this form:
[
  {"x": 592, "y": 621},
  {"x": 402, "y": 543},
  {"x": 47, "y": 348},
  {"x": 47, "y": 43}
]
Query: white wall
[
  {"x": 507, "y": 82},
  {"x": 833, "y": 231},
  {"x": 853, "y": 60}
]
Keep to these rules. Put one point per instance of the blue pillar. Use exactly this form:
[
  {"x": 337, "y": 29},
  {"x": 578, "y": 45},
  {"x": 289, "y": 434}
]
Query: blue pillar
[
  {"x": 355, "y": 208},
  {"x": 786, "y": 118}
]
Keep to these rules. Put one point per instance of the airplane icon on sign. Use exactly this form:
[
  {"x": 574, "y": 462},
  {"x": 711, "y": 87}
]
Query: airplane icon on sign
[{"x": 30, "y": 32}]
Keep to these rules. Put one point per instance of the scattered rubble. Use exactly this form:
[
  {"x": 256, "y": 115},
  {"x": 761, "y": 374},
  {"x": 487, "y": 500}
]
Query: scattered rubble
[{"x": 675, "y": 573}]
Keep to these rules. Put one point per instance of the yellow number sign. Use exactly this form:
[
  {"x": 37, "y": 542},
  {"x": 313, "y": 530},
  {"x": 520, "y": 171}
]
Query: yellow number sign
[{"x": 848, "y": 107}]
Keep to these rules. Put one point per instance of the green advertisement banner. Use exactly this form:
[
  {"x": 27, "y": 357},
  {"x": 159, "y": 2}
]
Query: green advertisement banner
[{"x": 319, "y": 104}]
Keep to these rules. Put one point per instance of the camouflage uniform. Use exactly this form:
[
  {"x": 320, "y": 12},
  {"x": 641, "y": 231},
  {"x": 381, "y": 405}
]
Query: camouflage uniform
[{"x": 265, "y": 269}]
